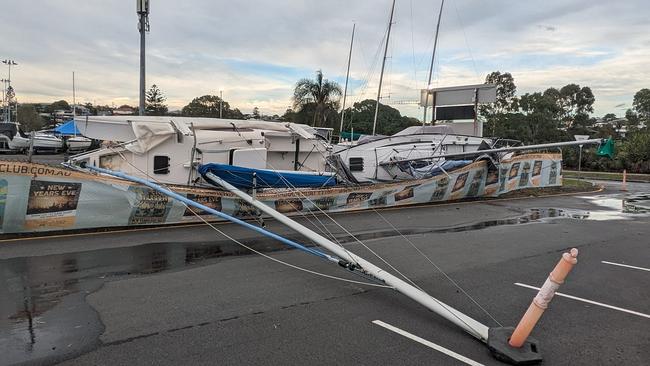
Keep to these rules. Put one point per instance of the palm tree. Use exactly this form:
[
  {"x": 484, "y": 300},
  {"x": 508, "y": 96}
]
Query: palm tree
[{"x": 321, "y": 92}]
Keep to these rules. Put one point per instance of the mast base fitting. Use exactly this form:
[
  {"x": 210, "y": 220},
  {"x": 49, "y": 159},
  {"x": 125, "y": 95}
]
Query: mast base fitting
[{"x": 528, "y": 354}]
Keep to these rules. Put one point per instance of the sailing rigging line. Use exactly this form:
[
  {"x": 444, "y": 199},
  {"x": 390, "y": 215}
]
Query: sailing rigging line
[
  {"x": 415, "y": 69},
  {"x": 371, "y": 71},
  {"x": 297, "y": 192},
  {"x": 325, "y": 232},
  {"x": 438, "y": 268},
  {"x": 475, "y": 332},
  {"x": 329, "y": 233},
  {"x": 157, "y": 181},
  {"x": 462, "y": 26},
  {"x": 309, "y": 250},
  {"x": 289, "y": 264}
]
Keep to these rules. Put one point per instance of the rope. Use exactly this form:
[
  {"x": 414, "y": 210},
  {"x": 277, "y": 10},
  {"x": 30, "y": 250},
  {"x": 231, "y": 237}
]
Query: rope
[{"x": 260, "y": 253}]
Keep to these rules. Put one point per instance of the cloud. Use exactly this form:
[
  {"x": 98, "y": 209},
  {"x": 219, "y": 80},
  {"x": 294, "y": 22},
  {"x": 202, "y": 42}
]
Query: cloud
[{"x": 255, "y": 51}]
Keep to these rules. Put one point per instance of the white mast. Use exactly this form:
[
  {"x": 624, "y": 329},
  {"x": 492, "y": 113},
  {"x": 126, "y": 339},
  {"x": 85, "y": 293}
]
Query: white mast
[
  {"x": 467, "y": 323},
  {"x": 347, "y": 76},
  {"x": 433, "y": 57},
  {"x": 383, "y": 63},
  {"x": 74, "y": 99}
]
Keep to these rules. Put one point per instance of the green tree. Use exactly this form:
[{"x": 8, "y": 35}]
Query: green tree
[
  {"x": 389, "y": 120},
  {"x": 506, "y": 101},
  {"x": 91, "y": 109},
  {"x": 641, "y": 104},
  {"x": 323, "y": 93},
  {"x": 609, "y": 117},
  {"x": 155, "y": 102},
  {"x": 632, "y": 119},
  {"x": 208, "y": 106},
  {"x": 256, "y": 113},
  {"x": 29, "y": 118},
  {"x": 58, "y": 105},
  {"x": 636, "y": 152},
  {"x": 574, "y": 102}
]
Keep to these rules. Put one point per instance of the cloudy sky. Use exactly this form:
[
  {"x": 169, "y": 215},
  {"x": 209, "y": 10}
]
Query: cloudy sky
[{"x": 255, "y": 50}]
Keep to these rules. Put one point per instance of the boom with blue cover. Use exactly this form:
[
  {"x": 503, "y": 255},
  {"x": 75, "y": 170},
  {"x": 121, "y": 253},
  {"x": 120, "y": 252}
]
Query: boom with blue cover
[{"x": 241, "y": 177}]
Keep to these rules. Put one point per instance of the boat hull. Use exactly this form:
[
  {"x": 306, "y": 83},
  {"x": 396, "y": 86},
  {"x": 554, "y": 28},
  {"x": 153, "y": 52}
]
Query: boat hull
[{"x": 40, "y": 198}]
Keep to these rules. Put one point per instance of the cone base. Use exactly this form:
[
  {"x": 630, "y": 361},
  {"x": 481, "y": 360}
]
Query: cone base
[{"x": 528, "y": 354}]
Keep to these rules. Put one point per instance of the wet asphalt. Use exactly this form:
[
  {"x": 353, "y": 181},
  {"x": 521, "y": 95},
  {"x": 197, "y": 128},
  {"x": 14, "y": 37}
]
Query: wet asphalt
[{"x": 188, "y": 295}]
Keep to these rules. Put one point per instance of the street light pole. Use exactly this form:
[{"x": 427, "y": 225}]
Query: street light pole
[
  {"x": 143, "y": 27},
  {"x": 220, "y": 103},
  {"x": 9, "y": 63}
]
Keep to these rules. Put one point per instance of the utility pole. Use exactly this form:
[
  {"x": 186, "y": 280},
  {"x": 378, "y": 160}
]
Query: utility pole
[
  {"x": 143, "y": 27},
  {"x": 383, "y": 63},
  {"x": 347, "y": 77},
  {"x": 433, "y": 57},
  {"x": 220, "y": 103}
]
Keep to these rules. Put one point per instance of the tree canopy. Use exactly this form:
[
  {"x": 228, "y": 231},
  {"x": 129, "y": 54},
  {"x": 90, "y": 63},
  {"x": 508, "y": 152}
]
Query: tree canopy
[
  {"x": 389, "y": 120},
  {"x": 155, "y": 102},
  {"x": 322, "y": 94},
  {"x": 641, "y": 105},
  {"x": 58, "y": 105},
  {"x": 29, "y": 118},
  {"x": 208, "y": 106}
]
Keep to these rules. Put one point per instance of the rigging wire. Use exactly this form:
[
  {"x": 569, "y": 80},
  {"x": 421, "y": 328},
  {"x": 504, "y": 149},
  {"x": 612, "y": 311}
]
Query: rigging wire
[
  {"x": 260, "y": 253},
  {"x": 415, "y": 69},
  {"x": 462, "y": 26},
  {"x": 298, "y": 192},
  {"x": 293, "y": 188}
]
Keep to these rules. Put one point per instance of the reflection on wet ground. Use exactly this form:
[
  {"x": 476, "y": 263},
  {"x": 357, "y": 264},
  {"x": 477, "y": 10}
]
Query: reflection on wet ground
[
  {"x": 638, "y": 203},
  {"x": 43, "y": 313}
]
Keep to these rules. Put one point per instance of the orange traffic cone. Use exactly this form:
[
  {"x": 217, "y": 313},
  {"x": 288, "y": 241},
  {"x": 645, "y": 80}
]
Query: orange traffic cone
[{"x": 543, "y": 298}]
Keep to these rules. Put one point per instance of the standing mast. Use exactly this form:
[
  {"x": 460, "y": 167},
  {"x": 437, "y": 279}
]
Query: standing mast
[
  {"x": 74, "y": 100},
  {"x": 433, "y": 57},
  {"x": 347, "y": 76},
  {"x": 383, "y": 63}
]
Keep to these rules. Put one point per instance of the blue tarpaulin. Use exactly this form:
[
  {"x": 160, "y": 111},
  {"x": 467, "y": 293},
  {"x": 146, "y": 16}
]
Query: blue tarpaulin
[
  {"x": 68, "y": 128},
  {"x": 241, "y": 177}
]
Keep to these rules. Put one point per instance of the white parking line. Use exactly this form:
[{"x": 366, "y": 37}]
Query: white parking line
[
  {"x": 589, "y": 301},
  {"x": 428, "y": 343},
  {"x": 625, "y": 265}
]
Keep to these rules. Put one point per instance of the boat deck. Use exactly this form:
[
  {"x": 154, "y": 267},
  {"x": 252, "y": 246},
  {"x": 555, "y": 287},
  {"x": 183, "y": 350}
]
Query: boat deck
[{"x": 187, "y": 295}]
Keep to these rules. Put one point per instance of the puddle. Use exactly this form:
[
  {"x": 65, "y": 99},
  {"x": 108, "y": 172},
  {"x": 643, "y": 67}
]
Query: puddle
[
  {"x": 43, "y": 312},
  {"x": 638, "y": 203}
]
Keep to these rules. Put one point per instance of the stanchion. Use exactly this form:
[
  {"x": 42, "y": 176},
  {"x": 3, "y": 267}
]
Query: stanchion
[{"x": 624, "y": 184}]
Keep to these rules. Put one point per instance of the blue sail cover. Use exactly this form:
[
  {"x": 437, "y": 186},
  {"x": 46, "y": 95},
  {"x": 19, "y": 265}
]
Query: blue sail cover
[
  {"x": 68, "y": 128},
  {"x": 241, "y": 177}
]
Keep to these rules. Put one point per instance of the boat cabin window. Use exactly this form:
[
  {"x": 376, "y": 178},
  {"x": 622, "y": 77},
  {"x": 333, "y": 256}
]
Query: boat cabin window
[
  {"x": 356, "y": 164},
  {"x": 161, "y": 164}
]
